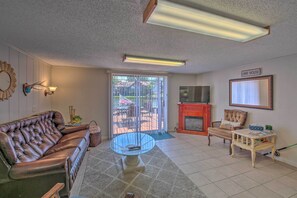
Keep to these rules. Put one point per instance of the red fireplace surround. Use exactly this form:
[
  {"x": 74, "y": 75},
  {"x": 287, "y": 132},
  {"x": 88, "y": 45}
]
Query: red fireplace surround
[{"x": 193, "y": 110}]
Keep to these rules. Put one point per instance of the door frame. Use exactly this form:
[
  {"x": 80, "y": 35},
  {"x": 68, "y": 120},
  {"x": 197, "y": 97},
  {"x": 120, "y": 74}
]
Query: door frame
[{"x": 110, "y": 96}]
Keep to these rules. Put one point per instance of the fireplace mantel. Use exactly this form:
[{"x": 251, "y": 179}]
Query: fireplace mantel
[{"x": 194, "y": 110}]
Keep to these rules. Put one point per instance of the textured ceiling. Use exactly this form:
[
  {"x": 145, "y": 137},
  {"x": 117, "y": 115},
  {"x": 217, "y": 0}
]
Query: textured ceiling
[{"x": 97, "y": 33}]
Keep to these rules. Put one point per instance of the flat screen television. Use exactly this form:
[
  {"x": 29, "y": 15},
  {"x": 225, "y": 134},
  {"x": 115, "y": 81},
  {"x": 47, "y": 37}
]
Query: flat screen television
[{"x": 199, "y": 94}]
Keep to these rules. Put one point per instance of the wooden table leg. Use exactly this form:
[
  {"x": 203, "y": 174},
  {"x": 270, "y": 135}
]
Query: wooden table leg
[
  {"x": 273, "y": 148},
  {"x": 253, "y": 152},
  {"x": 272, "y": 153},
  {"x": 253, "y": 158},
  {"x": 232, "y": 150},
  {"x": 232, "y": 145}
]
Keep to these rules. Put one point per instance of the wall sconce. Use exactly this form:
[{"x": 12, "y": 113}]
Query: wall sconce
[{"x": 50, "y": 91}]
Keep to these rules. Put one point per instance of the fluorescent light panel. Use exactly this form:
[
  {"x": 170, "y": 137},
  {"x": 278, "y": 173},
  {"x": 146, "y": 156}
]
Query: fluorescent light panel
[
  {"x": 152, "y": 61},
  {"x": 172, "y": 15}
]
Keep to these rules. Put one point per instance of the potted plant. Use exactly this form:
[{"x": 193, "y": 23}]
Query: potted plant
[{"x": 76, "y": 120}]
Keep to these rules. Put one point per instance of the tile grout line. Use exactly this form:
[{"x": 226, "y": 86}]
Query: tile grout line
[{"x": 224, "y": 164}]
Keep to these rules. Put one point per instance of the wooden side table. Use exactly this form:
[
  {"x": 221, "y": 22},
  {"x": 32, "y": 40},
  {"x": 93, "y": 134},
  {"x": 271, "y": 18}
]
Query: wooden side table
[{"x": 253, "y": 141}]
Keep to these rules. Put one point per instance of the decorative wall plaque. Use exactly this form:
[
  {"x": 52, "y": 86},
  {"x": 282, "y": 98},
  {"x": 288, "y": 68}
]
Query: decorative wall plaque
[
  {"x": 7, "y": 81},
  {"x": 251, "y": 72}
]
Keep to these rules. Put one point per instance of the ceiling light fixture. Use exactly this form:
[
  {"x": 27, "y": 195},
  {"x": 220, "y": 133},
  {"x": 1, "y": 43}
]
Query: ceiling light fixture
[
  {"x": 172, "y": 15},
  {"x": 153, "y": 61}
]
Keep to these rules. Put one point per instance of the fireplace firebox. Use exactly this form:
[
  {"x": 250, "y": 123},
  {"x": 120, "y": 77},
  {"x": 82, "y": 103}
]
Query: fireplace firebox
[{"x": 194, "y": 123}]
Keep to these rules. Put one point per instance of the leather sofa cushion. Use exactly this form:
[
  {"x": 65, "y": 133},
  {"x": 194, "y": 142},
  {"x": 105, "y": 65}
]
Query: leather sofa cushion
[
  {"x": 59, "y": 121},
  {"x": 72, "y": 153},
  {"x": 50, "y": 130},
  {"x": 80, "y": 134},
  {"x": 36, "y": 138},
  {"x": 38, "y": 168},
  {"x": 16, "y": 149},
  {"x": 55, "y": 116},
  {"x": 7, "y": 147},
  {"x": 79, "y": 142},
  {"x": 224, "y": 133}
]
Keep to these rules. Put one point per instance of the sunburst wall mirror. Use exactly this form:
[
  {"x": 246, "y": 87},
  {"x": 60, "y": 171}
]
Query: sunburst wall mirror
[{"x": 7, "y": 81}]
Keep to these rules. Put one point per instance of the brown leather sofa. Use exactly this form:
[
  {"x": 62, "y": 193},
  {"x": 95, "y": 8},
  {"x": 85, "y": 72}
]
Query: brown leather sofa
[
  {"x": 226, "y": 134},
  {"x": 39, "y": 151}
]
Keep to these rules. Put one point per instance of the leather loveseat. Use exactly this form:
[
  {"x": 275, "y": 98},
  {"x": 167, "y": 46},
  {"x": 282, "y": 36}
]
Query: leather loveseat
[{"x": 39, "y": 151}]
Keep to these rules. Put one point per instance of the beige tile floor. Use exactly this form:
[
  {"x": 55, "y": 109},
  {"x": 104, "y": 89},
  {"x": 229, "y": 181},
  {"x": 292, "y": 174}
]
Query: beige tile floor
[{"x": 219, "y": 175}]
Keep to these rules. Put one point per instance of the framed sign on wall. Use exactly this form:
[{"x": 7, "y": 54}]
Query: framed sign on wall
[{"x": 251, "y": 72}]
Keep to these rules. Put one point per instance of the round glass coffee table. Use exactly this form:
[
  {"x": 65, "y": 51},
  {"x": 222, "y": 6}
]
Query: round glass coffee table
[{"x": 130, "y": 146}]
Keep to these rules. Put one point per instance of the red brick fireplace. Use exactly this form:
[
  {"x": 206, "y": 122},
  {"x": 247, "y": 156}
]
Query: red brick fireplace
[{"x": 193, "y": 118}]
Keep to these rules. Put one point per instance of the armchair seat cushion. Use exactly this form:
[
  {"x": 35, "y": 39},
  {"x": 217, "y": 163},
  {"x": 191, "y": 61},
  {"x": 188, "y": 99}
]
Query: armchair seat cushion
[
  {"x": 223, "y": 133},
  {"x": 79, "y": 142},
  {"x": 72, "y": 153},
  {"x": 76, "y": 135},
  {"x": 38, "y": 168}
]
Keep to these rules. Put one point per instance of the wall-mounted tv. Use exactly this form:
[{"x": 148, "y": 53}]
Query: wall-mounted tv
[{"x": 199, "y": 94}]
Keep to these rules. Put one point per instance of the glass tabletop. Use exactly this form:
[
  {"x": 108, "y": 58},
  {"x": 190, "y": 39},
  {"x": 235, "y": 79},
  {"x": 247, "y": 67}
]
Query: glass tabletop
[{"x": 132, "y": 144}]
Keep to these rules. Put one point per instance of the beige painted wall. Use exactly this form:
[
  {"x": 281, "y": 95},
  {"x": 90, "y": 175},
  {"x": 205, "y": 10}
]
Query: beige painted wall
[
  {"x": 87, "y": 90},
  {"x": 84, "y": 88},
  {"x": 174, "y": 81},
  {"x": 27, "y": 69},
  {"x": 283, "y": 117}
]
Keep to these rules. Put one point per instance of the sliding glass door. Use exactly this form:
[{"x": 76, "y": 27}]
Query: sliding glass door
[{"x": 139, "y": 103}]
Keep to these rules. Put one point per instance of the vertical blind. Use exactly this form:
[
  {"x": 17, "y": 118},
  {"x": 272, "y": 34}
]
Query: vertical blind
[{"x": 139, "y": 103}]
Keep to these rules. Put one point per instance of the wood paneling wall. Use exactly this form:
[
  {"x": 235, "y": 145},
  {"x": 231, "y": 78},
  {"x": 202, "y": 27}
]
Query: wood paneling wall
[{"x": 27, "y": 69}]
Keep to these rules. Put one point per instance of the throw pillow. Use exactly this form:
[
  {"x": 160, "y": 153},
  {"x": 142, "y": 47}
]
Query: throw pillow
[{"x": 225, "y": 124}]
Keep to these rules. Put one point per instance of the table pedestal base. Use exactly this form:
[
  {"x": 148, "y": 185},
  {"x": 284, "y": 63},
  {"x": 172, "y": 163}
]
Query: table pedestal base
[{"x": 132, "y": 163}]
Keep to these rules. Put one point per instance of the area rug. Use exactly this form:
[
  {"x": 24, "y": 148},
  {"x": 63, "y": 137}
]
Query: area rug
[
  {"x": 103, "y": 177},
  {"x": 161, "y": 136}
]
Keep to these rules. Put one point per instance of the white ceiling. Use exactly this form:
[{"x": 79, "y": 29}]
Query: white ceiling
[{"x": 97, "y": 33}]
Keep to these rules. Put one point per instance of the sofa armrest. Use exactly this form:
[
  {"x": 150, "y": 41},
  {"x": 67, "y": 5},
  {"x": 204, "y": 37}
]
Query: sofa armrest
[
  {"x": 216, "y": 124},
  {"x": 54, "y": 191},
  {"x": 75, "y": 129},
  {"x": 38, "y": 168}
]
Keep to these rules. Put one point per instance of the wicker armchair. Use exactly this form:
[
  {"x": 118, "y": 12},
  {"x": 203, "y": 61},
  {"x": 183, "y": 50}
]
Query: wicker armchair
[{"x": 229, "y": 115}]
